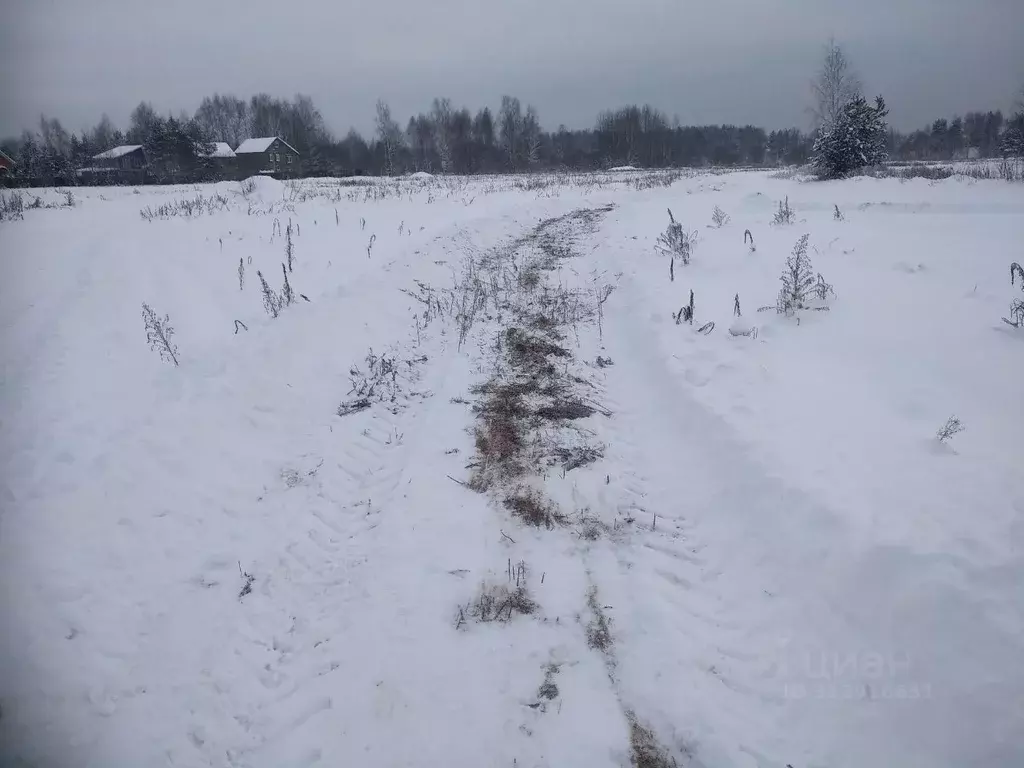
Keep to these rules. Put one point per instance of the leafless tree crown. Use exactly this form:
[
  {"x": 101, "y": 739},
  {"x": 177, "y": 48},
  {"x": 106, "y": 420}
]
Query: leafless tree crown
[{"x": 835, "y": 86}]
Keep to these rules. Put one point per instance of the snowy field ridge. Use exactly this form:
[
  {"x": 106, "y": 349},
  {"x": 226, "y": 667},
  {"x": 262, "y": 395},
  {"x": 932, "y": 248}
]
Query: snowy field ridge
[{"x": 619, "y": 469}]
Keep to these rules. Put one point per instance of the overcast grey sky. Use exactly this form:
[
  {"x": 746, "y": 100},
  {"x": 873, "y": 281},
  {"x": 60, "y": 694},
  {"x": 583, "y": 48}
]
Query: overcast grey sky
[{"x": 708, "y": 61}]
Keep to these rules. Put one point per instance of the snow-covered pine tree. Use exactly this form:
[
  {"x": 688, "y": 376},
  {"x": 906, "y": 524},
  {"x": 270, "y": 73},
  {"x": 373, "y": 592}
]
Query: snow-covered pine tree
[
  {"x": 797, "y": 279},
  {"x": 1012, "y": 144},
  {"x": 856, "y": 139}
]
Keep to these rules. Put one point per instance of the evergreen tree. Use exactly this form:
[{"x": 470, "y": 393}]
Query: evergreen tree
[
  {"x": 857, "y": 138},
  {"x": 1012, "y": 144}
]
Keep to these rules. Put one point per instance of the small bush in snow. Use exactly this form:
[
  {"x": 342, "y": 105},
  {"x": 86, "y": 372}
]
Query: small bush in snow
[
  {"x": 798, "y": 280},
  {"x": 1016, "y": 318},
  {"x": 241, "y": 274},
  {"x": 12, "y": 206},
  {"x": 719, "y": 217},
  {"x": 950, "y": 428},
  {"x": 159, "y": 333},
  {"x": 271, "y": 301},
  {"x": 785, "y": 214},
  {"x": 736, "y": 306},
  {"x": 247, "y": 580},
  {"x": 675, "y": 242},
  {"x": 822, "y": 289},
  {"x": 501, "y": 602},
  {"x": 838, "y": 215}
]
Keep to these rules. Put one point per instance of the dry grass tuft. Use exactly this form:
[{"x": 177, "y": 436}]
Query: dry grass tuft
[
  {"x": 565, "y": 410},
  {"x": 645, "y": 751},
  {"x": 577, "y": 456},
  {"x": 500, "y": 603},
  {"x": 530, "y": 507},
  {"x": 599, "y": 630},
  {"x": 530, "y": 353}
]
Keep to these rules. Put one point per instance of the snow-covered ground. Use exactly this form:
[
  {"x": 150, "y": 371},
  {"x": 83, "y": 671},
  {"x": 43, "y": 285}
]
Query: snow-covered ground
[{"x": 772, "y": 561}]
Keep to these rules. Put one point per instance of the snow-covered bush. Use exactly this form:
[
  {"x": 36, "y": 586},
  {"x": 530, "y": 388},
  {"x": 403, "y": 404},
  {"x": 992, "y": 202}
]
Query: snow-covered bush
[
  {"x": 719, "y": 217},
  {"x": 1016, "y": 318},
  {"x": 799, "y": 282},
  {"x": 675, "y": 241},
  {"x": 159, "y": 332},
  {"x": 271, "y": 301},
  {"x": 785, "y": 215},
  {"x": 950, "y": 428},
  {"x": 854, "y": 140},
  {"x": 12, "y": 206}
]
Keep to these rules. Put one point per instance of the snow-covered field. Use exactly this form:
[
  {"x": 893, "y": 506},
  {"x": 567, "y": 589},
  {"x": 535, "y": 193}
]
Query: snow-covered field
[{"x": 764, "y": 557}]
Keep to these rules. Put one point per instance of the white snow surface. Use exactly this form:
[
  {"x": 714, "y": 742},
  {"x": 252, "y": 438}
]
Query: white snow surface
[
  {"x": 795, "y": 570},
  {"x": 423, "y": 175},
  {"x": 255, "y": 145},
  {"x": 116, "y": 152}
]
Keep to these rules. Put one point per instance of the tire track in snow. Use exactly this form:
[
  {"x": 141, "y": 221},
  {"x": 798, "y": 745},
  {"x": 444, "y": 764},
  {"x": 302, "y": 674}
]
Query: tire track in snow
[
  {"x": 299, "y": 606},
  {"x": 699, "y": 622}
]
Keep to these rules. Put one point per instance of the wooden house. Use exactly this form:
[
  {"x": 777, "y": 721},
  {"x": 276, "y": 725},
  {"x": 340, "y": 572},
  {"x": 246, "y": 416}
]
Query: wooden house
[{"x": 270, "y": 155}]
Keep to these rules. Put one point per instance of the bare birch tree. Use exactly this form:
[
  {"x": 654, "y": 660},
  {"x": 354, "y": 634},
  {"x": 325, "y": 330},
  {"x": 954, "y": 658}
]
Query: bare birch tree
[
  {"x": 442, "y": 119},
  {"x": 389, "y": 135},
  {"x": 835, "y": 86}
]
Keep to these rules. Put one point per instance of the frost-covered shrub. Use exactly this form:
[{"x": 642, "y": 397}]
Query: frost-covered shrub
[
  {"x": 785, "y": 215},
  {"x": 1016, "y": 318},
  {"x": 271, "y": 301},
  {"x": 12, "y": 206},
  {"x": 799, "y": 282},
  {"x": 950, "y": 428},
  {"x": 675, "y": 241},
  {"x": 159, "y": 332},
  {"x": 719, "y": 217}
]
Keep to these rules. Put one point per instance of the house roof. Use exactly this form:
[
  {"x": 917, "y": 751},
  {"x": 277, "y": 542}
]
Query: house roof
[
  {"x": 220, "y": 149},
  {"x": 116, "y": 152},
  {"x": 255, "y": 146},
  {"x": 7, "y": 157}
]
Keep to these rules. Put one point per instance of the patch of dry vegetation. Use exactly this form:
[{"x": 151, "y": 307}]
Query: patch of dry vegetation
[{"x": 645, "y": 751}]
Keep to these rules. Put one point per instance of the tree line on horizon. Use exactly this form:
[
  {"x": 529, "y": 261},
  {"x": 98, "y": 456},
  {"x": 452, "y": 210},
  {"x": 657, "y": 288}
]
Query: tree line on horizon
[{"x": 450, "y": 139}]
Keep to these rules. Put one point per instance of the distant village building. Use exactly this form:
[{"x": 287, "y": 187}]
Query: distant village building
[
  {"x": 6, "y": 166},
  {"x": 223, "y": 161},
  {"x": 270, "y": 155},
  {"x": 126, "y": 164}
]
